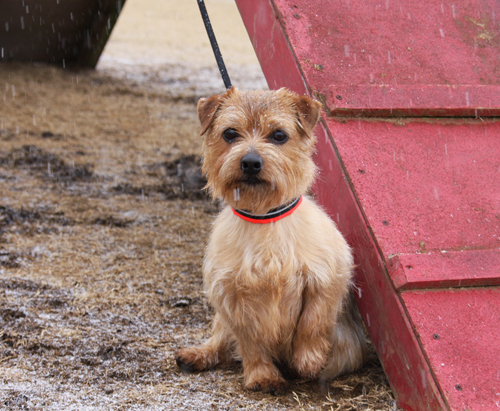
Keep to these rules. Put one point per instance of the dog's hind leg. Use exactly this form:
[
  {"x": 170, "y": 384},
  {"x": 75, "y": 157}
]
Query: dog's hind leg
[
  {"x": 349, "y": 343},
  {"x": 216, "y": 351}
]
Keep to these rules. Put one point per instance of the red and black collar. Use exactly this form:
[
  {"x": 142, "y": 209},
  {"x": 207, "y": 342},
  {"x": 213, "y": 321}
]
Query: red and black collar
[{"x": 271, "y": 216}]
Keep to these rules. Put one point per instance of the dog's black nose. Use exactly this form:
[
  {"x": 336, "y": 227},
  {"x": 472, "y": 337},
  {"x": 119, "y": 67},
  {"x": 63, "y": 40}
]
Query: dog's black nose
[{"x": 251, "y": 163}]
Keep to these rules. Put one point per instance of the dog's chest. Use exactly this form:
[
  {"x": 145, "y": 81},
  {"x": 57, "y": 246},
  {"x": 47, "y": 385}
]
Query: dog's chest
[
  {"x": 262, "y": 287},
  {"x": 253, "y": 263}
]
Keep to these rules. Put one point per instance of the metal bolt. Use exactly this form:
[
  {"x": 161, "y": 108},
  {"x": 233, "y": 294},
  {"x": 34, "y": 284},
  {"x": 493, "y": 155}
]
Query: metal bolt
[
  {"x": 385, "y": 222},
  {"x": 458, "y": 387},
  {"x": 338, "y": 97},
  {"x": 436, "y": 336}
]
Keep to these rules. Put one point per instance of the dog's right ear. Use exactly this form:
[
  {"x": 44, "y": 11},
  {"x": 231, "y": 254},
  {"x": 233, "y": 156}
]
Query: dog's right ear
[{"x": 207, "y": 109}]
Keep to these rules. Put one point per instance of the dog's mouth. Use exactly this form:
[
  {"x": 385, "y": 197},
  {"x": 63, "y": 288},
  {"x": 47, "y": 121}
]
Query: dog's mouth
[{"x": 252, "y": 181}]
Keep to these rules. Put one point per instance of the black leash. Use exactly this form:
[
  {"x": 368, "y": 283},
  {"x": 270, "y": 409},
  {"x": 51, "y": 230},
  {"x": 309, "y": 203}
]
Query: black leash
[{"x": 213, "y": 42}]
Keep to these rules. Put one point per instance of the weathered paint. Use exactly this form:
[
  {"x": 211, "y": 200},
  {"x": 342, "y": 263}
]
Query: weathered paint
[
  {"x": 398, "y": 57},
  {"x": 458, "y": 330},
  {"x": 426, "y": 186},
  {"x": 418, "y": 197},
  {"x": 383, "y": 313}
]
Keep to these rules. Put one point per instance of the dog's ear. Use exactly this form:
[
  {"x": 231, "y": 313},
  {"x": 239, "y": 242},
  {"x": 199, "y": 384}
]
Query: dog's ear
[
  {"x": 207, "y": 108},
  {"x": 309, "y": 111},
  {"x": 206, "y": 111}
]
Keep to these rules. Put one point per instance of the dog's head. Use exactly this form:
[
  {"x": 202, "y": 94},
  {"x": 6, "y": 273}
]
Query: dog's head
[{"x": 258, "y": 146}]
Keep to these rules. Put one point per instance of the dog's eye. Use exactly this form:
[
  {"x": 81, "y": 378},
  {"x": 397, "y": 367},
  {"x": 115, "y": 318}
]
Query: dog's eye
[
  {"x": 230, "y": 135},
  {"x": 278, "y": 137}
]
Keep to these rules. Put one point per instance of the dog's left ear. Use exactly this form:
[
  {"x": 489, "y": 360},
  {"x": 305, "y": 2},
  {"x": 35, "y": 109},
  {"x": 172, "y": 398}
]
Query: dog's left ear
[{"x": 309, "y": 111}]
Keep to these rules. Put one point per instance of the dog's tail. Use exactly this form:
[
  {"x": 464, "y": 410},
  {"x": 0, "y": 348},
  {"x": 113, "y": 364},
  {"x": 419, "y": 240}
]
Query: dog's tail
[{"x": 349, "y": 343}]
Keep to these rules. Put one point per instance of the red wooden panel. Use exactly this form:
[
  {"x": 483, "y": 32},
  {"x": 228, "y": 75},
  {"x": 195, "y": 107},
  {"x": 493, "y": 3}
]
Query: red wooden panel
[
  {"x": 382, "y": 311},
  {"x": 425, "y": 186},
  {"x": 445, "y": 269},
  {"x": 273, "y": 52},
  {"x": 418, "y": 200},
  {"x": 460, "y": 332},
  {"x": 438, "y": 57}
]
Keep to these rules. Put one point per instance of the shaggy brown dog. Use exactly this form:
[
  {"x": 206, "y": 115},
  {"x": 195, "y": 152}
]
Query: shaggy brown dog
[{"x": 277, "y": 270}]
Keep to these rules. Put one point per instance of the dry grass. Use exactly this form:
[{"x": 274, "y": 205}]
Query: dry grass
[{"x": 102, "y": 233}]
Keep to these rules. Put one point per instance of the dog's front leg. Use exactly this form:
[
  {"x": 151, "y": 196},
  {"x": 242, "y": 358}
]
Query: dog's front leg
[
  {"x": 215, "y": 351},
  {"x": 312, "y": 342},
  {"x": 259, "y": 371}
]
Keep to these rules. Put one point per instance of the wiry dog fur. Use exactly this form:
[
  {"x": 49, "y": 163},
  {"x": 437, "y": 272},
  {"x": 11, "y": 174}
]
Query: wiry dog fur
[{"x": 280, "y": 290}]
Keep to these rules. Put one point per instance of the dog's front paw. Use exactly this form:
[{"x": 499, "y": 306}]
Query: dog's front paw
[
  {"x": 265, "y": 377},
  {"x": 269, "y": 386},
  {"x": 308, "y": 363},
  {"x": 195, "y": 359}
]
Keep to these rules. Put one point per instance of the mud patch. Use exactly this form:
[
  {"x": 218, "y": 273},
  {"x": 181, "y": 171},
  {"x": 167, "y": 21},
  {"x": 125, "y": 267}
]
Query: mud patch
[
  {"x": 50, "y": 134},
  {"x": 21, "y": 284},
  {"x": 16, "y": 401},
  {"x": 187, "y": 170},
  {"x": 9, "y": 216},
  {"x": 111, "y": 221},
  {"x": 182, "y": 302},
  {"x": 180, "y": 178},
  {"x": 9, "y": 259},
  {"x": 8, "y": 314},
  {"x": 31, "y": 221},
  {"x": 46, "y": 165}
]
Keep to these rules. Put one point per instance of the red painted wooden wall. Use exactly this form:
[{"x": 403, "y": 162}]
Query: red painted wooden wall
[{"x": 409, "y": 153}]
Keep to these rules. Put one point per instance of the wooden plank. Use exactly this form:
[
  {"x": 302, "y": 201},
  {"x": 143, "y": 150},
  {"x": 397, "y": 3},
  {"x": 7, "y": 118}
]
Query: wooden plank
[
  {"x": 439, "y": 100},
  {"x": 381, "y": 308},
  {"x": 425, "y": 186},
  {"x": 432, "y": 58},
  {"x": 460, "y": 332},
  {"x": 445, "y": 269},
  {"x": 268, "y": 39}
]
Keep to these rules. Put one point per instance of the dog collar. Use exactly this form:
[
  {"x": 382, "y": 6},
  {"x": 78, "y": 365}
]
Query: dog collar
[{"x": 272, "y": 216}]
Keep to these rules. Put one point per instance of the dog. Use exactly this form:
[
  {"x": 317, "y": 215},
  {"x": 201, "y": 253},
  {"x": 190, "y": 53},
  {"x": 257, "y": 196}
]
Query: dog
[{"x": 276, "y": 270}]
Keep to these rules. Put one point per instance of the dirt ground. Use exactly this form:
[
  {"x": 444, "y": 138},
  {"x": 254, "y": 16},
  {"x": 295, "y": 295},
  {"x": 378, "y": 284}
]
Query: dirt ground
[{"x": 103, "y": 225}]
